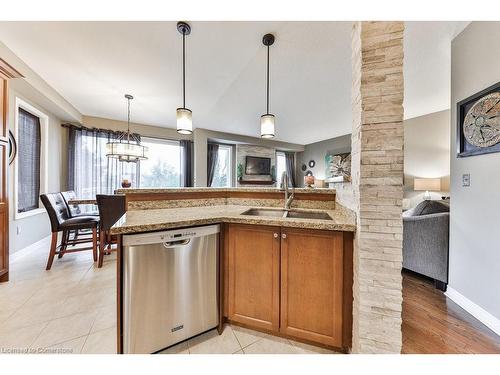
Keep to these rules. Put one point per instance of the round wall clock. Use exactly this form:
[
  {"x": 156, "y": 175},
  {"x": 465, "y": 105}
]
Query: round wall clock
[
  {"x": 12, "y": 147},
  {"x": 481, "y": 125}
]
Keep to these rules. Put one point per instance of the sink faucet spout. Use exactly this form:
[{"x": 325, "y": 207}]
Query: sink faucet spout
[{"x": 288, "y": 197}]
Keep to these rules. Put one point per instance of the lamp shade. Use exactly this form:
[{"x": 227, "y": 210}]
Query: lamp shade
[
  {"x": 427, "y": 184},
  {"x": 126, "y": 151},
  {"x": 267, "y": 126},
  {"x": 184, "y": 121}
]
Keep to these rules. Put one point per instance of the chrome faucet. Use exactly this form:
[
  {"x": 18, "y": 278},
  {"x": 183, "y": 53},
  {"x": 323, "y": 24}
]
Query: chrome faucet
[{"x": 284, "y": 185}]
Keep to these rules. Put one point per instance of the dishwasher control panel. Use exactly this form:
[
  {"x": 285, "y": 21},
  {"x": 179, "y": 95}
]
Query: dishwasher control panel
[
  {"x": 170, "y": 235},
  {"x": 179, "y": 235}
]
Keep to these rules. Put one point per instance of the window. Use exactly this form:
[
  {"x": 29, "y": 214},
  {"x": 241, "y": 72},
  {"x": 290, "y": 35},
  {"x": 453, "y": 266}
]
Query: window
[
  {"x": 163, "y": 166},
  {"x": 223, "y": 171},
  {"x": 30, "y": 167},
  {"x": 90, "y": 170},
  {"x": 28, "y": 178},
  {"x": 280, "y": 165}
]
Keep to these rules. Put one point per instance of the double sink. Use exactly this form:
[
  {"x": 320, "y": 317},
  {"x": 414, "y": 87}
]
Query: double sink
[{"x": 295, "y": 214}]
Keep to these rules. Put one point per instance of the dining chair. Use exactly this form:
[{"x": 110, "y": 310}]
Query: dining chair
[
  {"x": 111, "y": 208},
  {"x": 61, "y": 221},
  {"x": 74, "y": 211}
]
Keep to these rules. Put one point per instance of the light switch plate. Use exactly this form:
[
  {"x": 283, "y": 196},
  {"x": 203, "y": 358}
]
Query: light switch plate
[{"x": 466, "y": 179}]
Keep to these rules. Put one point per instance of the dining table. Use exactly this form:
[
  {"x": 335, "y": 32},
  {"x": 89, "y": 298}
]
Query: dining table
[{"x": 77, "y": 201}]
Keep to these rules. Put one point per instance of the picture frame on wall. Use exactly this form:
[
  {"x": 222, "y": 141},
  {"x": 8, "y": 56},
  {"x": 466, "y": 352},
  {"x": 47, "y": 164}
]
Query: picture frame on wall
[
  {"x": 478, "y": 123},
  {"x": 338, "y": 167}
]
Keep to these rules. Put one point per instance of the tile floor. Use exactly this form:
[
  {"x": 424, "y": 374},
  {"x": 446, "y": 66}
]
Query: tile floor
[{"x": 72, "y": 309}]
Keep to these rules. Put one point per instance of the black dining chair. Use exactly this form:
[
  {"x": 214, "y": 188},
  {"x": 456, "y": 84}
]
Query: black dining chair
[
  {"x": 111, "y": 208},
  {"x": 74, "y": 211},
  {"x": 61, "y": 221}
]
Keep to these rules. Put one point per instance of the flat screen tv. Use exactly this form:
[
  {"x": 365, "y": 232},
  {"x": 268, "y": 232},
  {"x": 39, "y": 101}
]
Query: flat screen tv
[{"x": 257, "y": 166}]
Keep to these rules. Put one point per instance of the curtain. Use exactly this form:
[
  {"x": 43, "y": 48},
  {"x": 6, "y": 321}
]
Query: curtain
[
  {"x": 29, "y": 138},
  {"x": 290, "y": 167},
  {"x": 212, "y": 154},
  {"x": 186, "y": 163},
  {"x": 90, "y": 171}
]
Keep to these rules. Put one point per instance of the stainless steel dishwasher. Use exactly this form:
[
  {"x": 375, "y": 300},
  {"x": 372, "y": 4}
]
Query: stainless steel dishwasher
[{"x": 169, "y": 287}]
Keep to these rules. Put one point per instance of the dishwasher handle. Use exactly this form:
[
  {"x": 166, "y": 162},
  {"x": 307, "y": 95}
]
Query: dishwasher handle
[{"x": 171, "y": 244}]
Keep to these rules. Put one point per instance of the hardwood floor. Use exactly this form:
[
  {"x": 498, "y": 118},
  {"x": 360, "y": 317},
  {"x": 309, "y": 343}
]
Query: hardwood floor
[{"x": 433, "y": 324}]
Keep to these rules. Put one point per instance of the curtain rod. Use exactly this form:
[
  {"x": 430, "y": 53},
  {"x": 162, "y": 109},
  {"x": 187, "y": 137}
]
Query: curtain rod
[{"x": 100, "y": 130}]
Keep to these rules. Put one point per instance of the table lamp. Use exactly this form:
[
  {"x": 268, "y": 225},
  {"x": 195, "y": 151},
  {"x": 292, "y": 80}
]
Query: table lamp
[{"x": 427, "y": 184}]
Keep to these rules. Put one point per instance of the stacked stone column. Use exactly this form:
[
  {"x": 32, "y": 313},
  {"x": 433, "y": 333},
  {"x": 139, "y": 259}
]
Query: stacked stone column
[{"x": 377, "y": 184}]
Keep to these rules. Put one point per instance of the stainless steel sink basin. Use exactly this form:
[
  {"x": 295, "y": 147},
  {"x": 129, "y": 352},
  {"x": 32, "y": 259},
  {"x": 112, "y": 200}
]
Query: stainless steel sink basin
[
  {"x": 264, "y": 212},
  {"x": 287, "y": 214},
  {"x": 309, "y": 215}
]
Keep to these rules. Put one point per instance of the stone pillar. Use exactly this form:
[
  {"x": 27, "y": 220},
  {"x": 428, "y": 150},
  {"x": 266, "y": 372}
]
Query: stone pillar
[{"x": 377, "y": 183}]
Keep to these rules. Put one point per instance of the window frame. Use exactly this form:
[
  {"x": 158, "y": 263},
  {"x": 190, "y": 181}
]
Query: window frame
[
  {"x": 160, "y": 140},
  {"x": 231, "y": 169},
  {"x": 278, "y": 177},
  {"x": 44, "y": 146}
]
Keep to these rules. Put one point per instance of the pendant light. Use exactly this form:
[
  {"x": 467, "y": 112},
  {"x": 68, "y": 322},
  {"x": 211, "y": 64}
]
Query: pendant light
[
  {"x": 127, "y": 147},
  {"x": 267, "y": 120},
  {"x": 184, "y": 115}
]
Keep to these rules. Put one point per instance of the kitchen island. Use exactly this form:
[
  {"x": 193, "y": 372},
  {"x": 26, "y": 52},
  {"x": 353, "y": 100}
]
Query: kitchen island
[{"x": 287, "y": 276}]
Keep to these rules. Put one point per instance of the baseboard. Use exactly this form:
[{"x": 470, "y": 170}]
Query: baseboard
[
  {"x": 476, "y": 311},
  {"x": 20, "y": 253}
]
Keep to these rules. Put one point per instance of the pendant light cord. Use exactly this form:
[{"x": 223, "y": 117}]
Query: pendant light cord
[
  {"x": 128, "y": 121},
  {"x": 184, "y": 69},
  {"x": 267, "y": 80}
]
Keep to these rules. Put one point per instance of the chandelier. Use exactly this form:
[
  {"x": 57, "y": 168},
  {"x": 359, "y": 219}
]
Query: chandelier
[{"x": 127, "y": 147}]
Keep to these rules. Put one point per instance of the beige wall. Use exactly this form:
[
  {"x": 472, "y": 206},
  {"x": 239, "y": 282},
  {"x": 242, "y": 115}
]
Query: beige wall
[
  {"x": 144, "y": 130},
  {"x": 474, "y": 270},
  {"x": 35, "y": 91},
  {"x": 38, "y": 90},
  {"x": 427, "y": 153}
]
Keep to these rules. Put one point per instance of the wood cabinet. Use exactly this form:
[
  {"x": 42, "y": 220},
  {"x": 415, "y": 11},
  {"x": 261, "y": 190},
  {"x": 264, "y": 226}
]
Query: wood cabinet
[
  {"x": 294, "y": 282},
  {"x": 312, "y": 285},
  {"x": 254, "y": 275},
  {"x": 4, "y": 208}
]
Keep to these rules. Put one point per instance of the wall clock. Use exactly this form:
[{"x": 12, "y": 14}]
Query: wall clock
[
  {"x": 478, "y": 127},
  {"x": 12, "y": 148}
]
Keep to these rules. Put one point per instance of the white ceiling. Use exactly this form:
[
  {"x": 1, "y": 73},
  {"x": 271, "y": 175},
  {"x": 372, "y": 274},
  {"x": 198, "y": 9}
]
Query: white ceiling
[{"x": 92, "y": 64}]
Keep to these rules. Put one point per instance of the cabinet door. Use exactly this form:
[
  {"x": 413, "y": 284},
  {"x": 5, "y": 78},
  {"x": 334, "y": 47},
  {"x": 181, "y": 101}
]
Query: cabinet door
[
  {"x": 254, "y": 258},
  {"x": 4, "y": 209},
  {"x": 311, "y": 285}
]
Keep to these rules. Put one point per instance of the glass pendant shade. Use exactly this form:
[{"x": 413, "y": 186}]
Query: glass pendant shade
[
  {"x": 124, "y": 151},
  {"x": 267, "y": 126},
  {"x": 184, "y": 121}
]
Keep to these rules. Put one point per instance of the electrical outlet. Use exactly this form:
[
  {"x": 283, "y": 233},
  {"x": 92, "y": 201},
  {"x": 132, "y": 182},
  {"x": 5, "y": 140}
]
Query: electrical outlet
[
  {"x": 18, "y": 230},
  {"x": 466, "y": 179}
]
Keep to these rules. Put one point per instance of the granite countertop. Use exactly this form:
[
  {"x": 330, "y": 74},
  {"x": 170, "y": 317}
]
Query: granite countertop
[
  {"x": 169, "y": 218},
  {"x": 240, "y": 189}
]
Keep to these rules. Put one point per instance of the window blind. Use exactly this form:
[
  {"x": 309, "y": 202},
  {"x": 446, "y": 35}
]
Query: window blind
[{"x": 29, "y": 140}]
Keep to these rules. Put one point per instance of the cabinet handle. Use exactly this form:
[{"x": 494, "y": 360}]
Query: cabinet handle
[
  {"x": 283, "y": 236},
  {"x": 275, "y": 235}
]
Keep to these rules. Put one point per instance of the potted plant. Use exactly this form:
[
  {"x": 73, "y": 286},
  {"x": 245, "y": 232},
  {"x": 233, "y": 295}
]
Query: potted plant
[{"x": 239, "y": 171}]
